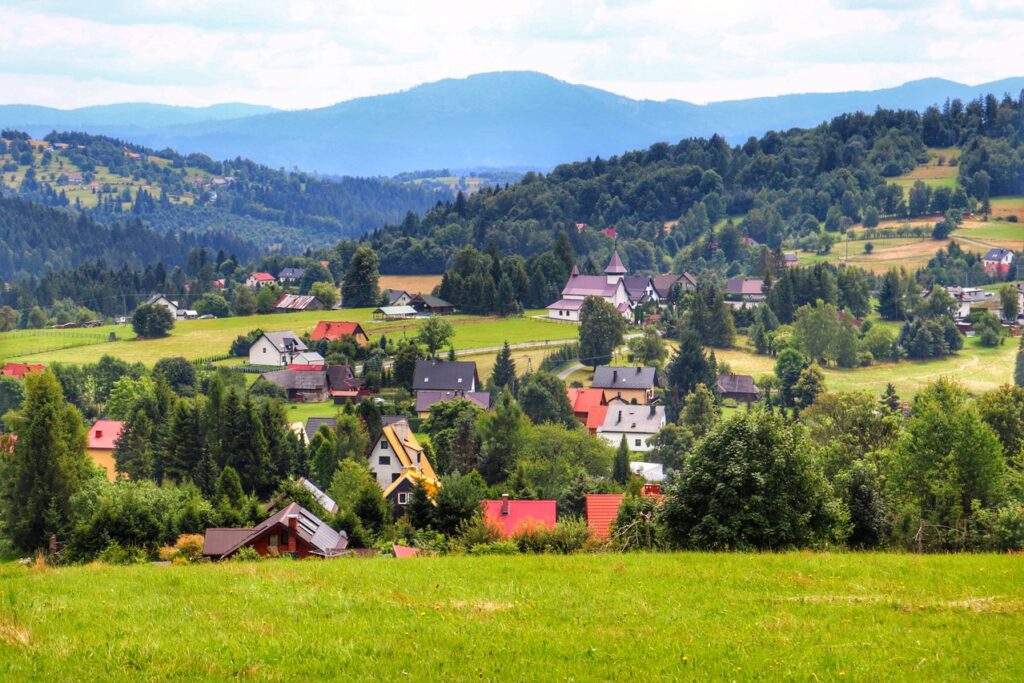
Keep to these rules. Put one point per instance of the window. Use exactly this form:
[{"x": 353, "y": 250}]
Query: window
[
  {"x": 284, "y": 538},
  {"x": 273, "y": 541},
  {"x": 384, "y": 444},
  {"x": 403, "y": 498},
  {"x": 264, "y": 349},
  {"x": 636, "y": 442},
  {"x": 395, "y": 475},
  {"x": 384, "y": 460}
]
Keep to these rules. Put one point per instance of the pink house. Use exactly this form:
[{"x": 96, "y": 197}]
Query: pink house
[{"x": 511, "y": 515}]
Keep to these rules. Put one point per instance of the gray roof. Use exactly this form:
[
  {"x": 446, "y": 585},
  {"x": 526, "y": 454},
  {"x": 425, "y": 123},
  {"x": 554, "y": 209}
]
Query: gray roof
[
  {"x": 394, "y": 295},
  {"x": 431, "y": 301},
  {"x": 624, "y": 377},
  {"x": 296, "y": 273},
  {"x": 453, "y": 375},
  {"x": 326, "y": 502},
  {"x": 281, "y": 341},
  {"x": 341, "y": 378},
  {"x": 738, "y": 384},
  {"x": 636, "y": 286},
  {"x": 297, "y": 302},
  {"x": 632, "y": 419},
  {"x": 567, "y": 304},
  {"x": 313, "y": 424},
  {"x": 326, "y": 541},
  {"x": 297, "y": 380},
  {"x": 426, "y": 399},
  {"x": 396, "y": 310}
]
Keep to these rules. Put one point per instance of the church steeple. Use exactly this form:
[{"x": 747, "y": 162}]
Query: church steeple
[{"x": 614, "y": 270}]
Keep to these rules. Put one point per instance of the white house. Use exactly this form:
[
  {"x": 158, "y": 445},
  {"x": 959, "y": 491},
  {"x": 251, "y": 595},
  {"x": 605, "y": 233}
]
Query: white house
[
  {"x": 276, "y": 348},
  {"x": 637, "y": 423},
  {"x": 258, "y": 280},
  {"x": 161, "y": 300},
  {"x": 398, "y": 463}
]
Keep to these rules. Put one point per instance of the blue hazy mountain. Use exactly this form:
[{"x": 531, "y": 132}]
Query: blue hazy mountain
[
  {"x": 495, "y": 120},
  {"x": 127, "y": 116}
]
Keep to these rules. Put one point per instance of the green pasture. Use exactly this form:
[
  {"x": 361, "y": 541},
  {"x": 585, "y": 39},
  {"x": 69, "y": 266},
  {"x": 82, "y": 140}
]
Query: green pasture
[{"x": 802, "y": 616}]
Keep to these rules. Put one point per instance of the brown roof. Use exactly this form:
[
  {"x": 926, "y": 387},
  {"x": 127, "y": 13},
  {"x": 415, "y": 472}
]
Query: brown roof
[
  {"x": 220, "y": 540},
  {"x": 323, "y": 539},
  {"x": 738, "y": 384}
]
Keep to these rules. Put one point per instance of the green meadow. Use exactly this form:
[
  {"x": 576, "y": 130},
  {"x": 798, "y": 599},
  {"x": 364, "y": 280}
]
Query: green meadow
[
  {"x": 203, "y": 338},
  {"x": 806, "y": 616}
]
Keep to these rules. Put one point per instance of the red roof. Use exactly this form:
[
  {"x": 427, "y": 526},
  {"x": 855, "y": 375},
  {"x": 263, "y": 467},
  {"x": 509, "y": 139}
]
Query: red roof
[
  {"x": 404, "y": 552},
  {"x": 595, "y": 417},
  {"x": 103, "y": 435},
  {"x": 19, "y": 370},
  {"x": 611, "y": 232},
  {"x": 335, "y": 329},
  {"x": 511, "y": 515},
  {"x": 583, "y": 400},
  {"x": 602, "y": 509},
  {"x": 264, "y": 277}
]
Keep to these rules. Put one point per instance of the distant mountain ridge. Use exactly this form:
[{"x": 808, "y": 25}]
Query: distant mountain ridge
[{"x": 497, "y": 120}]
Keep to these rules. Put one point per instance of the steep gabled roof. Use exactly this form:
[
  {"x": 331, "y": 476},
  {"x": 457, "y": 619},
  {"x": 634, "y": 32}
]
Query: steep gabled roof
[
  {"x": 744, "y": 286},
  {"x": 341, "y": 378},
  {"x": 590, "y": 285},
  {"x": 431, "y": 301},
  {"x": 624, "y": 377},
  {"x": 294, "y": 273},
  {"x": 297, "y": 380},
  {"x": 326, "y": 502},
  {"x": 511, "y": 515},
  {"x": 263, "y": 277},
  {"x": 426, "y": 398},
  {"x": 996, "y": 254},
  {"x": 630, "y": 419},
  {"x": 313, "y": 424},
  {"x": 323, "y": 539},
  {"x": 636, "y": 286},
  {"x": 738, "y": 384},
  {"x": 409, "y": 451},
  {"x": 452, "y": 375}
]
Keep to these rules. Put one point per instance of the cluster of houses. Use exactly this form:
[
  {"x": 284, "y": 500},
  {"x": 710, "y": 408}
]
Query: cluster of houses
[
  {"x": 402, "y": 305},
  {"x": 623, "y": 291}
]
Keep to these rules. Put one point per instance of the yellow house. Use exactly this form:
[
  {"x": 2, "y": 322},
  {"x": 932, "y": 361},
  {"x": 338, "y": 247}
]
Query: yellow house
[
  {"x": 101, "y": 442},
  {"x": 625, "y": 383},
  {"x": 398, "y": 462}
]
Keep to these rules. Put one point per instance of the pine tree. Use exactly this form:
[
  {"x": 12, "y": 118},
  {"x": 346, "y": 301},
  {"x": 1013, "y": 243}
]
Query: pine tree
[
  {"x": 890, "y": 399},
  {"x": 187, "y": 447},
  {"x": 420, "y": 510},
  {"x": 323, "y": 455},
  {"x": 1018, "y": 371},
  {"x": 504, "y": 373},
  {"x": 620, "y": 465},
  {"x": 47, "y": 466},
  {"x": 502, "y": 438},
  {"x": 133, "y": 451},
  {"x": 362, "y": 281}
]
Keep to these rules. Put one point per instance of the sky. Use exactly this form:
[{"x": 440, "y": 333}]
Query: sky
[{"x": 303, "y": 54}]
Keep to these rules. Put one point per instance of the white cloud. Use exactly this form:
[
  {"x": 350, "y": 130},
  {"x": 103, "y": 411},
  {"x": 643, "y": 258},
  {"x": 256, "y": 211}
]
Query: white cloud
[{"x": 313, "y": 53}]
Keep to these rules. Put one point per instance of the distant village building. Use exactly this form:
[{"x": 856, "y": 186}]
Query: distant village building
[
  {"x": 21, "y": 370},
  {"x": 739, "y": 388},
  {"x": 589, "y": 406},
  {"x": 294, "y": 303},
  {"x": 743, "y": 291},
  {"x": 451, "y": 375},
  {"x": 397, "y": 297},
  {"x": 332, "y": 330},
  {"x": 293, "y": 531},
  {"x": 637, "y": 423},
  {"x": 291, "y": 275},
  {"x": 394, "y": 313},
  {"x": 161, "y": 300},
  {"x": 101, "y": 443},
  {"x": 259, "y": 280},
  {"x": 427, "y": 399},
  {"x": 431, "y": 305},
  {"x": 997, "y": 262},
  {"x": 510, "y": 516},
  {"x": 629, "y": 384},
  {"x": 610, "y": 287},
  {"x": 276, "y": 348}
]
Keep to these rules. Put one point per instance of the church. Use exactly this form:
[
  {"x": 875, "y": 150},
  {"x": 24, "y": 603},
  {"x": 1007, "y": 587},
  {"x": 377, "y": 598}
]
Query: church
[{"x": 622, "y": 291}]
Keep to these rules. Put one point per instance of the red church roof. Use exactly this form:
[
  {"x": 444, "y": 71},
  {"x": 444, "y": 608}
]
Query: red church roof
[
  {"x": 511, "y": 515},
  {"x": 103, "y": 435}
]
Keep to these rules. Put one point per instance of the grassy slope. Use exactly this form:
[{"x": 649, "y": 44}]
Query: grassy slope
[
  {"x": 201, "y": 338},
  {"x": 585, "y": 617}
]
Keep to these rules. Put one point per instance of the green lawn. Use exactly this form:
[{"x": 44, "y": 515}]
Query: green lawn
[
  {"x": 996, "y": 230},
  {"x": 803, "y": 616},
  {"x": 202, "y": 338}
]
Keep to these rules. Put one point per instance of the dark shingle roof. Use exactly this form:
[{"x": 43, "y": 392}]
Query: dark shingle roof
[
  {"x": 426, "y": 399},
  {"x": 297, "y": 380},
  {"x": 738, "y": 384},
  {"x": 313, "y": 424},
  {"x": 612, "y": 377},
  {"x": 457, "y": 375}
]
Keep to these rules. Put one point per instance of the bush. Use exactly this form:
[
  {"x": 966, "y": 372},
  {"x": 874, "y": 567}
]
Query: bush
[
  {"x": 247, "y": 554},
  {"x": 570, "y": 535},
  {"x": 476, "y": 531},
  {"x": 495, "y": 548},
  {"x": 636, "y": 525},
  {"x": 151, "y": 322},
  {"x": 190, "y": 546},
  {"x": 115, "y": 553}
]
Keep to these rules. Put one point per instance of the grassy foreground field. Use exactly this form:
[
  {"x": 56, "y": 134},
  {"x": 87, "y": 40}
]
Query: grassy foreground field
[{"x": 582, "y": 617}]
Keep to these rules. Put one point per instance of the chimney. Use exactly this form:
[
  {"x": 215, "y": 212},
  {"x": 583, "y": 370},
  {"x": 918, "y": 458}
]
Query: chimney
[
  {"x": 293, "y": 522},
  {"x": 99, "y": 433},
  {"x": 652, "y": 410},
  {"x": 615, "y": 376},
  {"x": 504, "y": 504}
]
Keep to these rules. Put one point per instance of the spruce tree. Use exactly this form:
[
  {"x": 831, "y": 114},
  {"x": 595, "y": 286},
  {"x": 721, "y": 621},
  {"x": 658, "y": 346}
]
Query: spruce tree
[
  {"x": 186, "y": 448},
  {"x": 362, "y": 281},
  {"x": 890, "y": 399},
  {"x": 620, "y": 465},
  {"x": 46, "y": 467},
  {"x": 1018, "y": 371},
  {"x": 504, "y": 373},
  {"x": 133, "y": 451},
  {"x": 502, "y": 439}
]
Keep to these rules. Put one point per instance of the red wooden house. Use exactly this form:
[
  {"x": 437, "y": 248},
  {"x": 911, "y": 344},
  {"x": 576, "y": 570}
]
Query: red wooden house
[{"x": 294, "y": 530}]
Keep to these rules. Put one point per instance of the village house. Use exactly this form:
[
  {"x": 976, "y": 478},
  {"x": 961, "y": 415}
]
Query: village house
[
  {"x": 651, "y": 472},
  {"x": 289, "y": 275},
  {"x": 161, "y": 300},
  {"x": 259, "y": 280},
  {"x": 398, "y": 462},
  {"x": 631, "y": 384},
  {"x": 300, "y": 385},
  {"x": 431, "y": 305},
  {"x": 589, "y": 406},
  {"x": 293, "y": 531},
  {"x": 603, "y": 509},
  {"x": 21, "y": 370},
  {"x": 509, "y": 516},
  {"x": 101, "y": 442},
  {"x": 332, "y": 330},
  {"x": 397, "y": 297},
  {"x": 997, "y": 262},
  {"x": 738, "y": 387},
  {"x": 294, "y": 303},
  {"x": 343, "y": 385},
  {"x": 441, "y": 375},
  {"x": 427, "y": 399},
  {"x": 638, "y": 424},
  {"x": 663, "y": 284},
  {"x": 790, "y": 259},
  {"x": 276, "y": 348},
  {"x": 739, "y": 292}
]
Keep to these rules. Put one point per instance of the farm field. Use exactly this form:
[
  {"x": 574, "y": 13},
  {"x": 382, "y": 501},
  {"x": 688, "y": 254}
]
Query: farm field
[
  {"x": 414, "y": 284},
  {"x": 810, "y": 616},
  {"x": 203, "y": 338},
  {"x": 932, "y": 173}
]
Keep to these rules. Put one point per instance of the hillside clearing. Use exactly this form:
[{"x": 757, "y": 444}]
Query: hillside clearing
[
  {"x": 582, "y": 617},
  {"x": 414, "y": 284}
]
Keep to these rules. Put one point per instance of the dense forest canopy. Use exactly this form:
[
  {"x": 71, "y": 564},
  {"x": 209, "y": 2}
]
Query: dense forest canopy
[{"x": 782, "y": 188}]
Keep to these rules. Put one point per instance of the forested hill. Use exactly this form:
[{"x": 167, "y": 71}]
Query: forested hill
[
  {"x": 36, "y": 238},
  {"x": 780, "y": 189},
  {"x": 110, "y": 179}
]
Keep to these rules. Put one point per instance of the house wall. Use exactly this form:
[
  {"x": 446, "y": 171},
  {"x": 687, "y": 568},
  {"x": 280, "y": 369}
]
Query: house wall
[
  {"x": 105, "y": 459},
  {"x": 564, "y": 315},
  {"x": 385, "y": 472},
  {"x": 403, "y": 490},
  {"x": 168, "y": 305},
  {"x": 294, "y": 543},
  {"x": 613, "y": 439},
  {"x": 642, "y": 396},
  {"x": 264, "y": 353}
]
